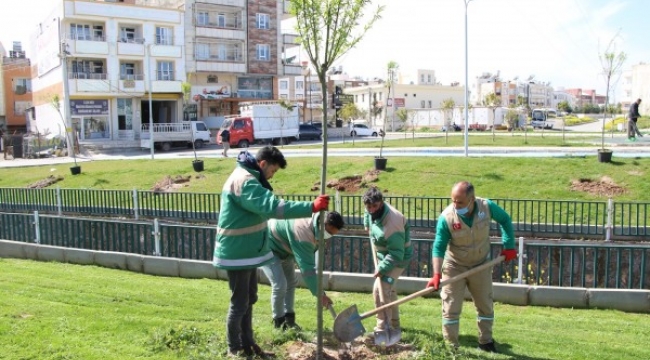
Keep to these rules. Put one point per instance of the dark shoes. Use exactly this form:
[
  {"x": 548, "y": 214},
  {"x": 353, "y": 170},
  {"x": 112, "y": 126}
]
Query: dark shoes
[
  {"x": 288, "y": 321},
  {"x": 489, "y": 347},
  {"x": 254, "y": 351}
]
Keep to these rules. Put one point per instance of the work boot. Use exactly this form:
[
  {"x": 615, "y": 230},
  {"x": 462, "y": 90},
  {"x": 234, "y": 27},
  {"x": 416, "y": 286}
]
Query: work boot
[
  {"x": 257, "y": 351},
  {"x": 280, "y": 322},
  {"x": 237, "y": 354},
  {"x": 291, "y": 321},
  {"x": 489, "y": 347}
]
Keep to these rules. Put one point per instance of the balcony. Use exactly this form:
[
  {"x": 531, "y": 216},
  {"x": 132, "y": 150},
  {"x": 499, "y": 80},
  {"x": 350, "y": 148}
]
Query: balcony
[
  {"x": 89, "y": 83},
  {"x": 290, "y": 40},
  {"x": 91, "y": 45},
  {"x": 293, "y": 69},
  {"x": 219, "y": 33},
  {"x": 166, "y": 86},
  {"x": 132, "y": 83},
  {"x": 165, "y": 51},
  {"x": 213, "y": 66},
  {"x": 133, "y": 47}
]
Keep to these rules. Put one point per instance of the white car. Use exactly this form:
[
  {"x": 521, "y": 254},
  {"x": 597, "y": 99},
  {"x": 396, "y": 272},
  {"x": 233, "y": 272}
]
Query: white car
[{"x": 362, "y": 130}]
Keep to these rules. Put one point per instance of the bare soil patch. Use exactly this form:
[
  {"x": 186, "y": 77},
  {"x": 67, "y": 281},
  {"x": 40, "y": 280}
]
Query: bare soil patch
[
  {"x": 45, "y": 182},
  {"x": 351, "y": 183},
  {"x": 169, "y": 183},
  {"x": 363, "y": 349},
  {"x": 603, "y": 187}
]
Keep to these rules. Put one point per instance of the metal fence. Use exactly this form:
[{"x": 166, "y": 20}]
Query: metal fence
[
  {"x": 584, "y": 264},
  {"x": 533, "y": 217}
]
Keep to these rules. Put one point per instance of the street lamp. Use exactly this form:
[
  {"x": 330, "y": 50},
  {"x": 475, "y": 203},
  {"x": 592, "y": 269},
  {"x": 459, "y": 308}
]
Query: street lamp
[{"x": 466, "y": 85}]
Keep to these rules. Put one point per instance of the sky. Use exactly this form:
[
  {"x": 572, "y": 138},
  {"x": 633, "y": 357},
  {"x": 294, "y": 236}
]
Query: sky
[{"x": 556, "y": 41}]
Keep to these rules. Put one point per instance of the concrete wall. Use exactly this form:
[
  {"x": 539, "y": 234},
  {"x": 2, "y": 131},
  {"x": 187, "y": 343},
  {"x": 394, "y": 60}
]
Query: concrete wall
[{"x": 523, "y": 295}]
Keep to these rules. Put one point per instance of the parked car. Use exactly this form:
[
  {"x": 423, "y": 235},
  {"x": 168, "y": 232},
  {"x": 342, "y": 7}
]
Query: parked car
[
  {"x": 307, "y": 132},
  {"x": 362, "y": 130}
]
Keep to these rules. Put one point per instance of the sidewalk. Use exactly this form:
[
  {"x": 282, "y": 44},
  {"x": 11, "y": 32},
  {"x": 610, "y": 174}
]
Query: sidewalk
[{"x": 620, "y": 145}]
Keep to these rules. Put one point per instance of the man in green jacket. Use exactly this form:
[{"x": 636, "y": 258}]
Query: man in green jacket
[
  {"x": 242, "y": 244},
  {"x": 462, "y": 243},
  {"x": 390, "y": 233},
  {"x": 295, "y": 241}
]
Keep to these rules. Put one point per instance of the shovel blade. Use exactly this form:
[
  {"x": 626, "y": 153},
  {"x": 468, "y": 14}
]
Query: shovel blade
[
  {"x": 347, "y": 325},
  {"x": 388, "y": 337}
]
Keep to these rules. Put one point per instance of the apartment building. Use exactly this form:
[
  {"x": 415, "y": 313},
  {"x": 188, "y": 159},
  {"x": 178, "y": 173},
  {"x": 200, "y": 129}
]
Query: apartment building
[
  {"x": 16, "y": 89},
  {"x": 639, "y": 87},
  {"x": 116, "y": 60},
  {"x": 583, "y": 97},
  {"x": 3, "y": 121},
  {"x": 235, "y": 51}
]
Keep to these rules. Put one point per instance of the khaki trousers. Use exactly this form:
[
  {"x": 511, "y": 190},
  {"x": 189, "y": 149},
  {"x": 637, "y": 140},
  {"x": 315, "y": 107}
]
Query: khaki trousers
[
  {"x": 389, "y": 316},
  {"x": 452, "y": 295}
]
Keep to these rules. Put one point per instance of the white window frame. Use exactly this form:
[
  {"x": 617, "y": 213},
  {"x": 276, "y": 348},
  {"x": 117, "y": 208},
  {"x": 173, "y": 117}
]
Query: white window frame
[
  {"x": 165, "y": 70},
  {"x": 221, "y": 20},
  {"x": 24, "y": 82},
  {"x": 80, "y": 32},
  {"x": 222, "y": 52},
  {"x": 263, "y": 21},
  {"x": 201, "y": 51},
  {"x": 202, "y": 18},
  {"x": 127, "y": 71},
  {"x": 164, "y": 35},
  {"x": 263, "y": 52},
  {"x": 284, "y": 84}
]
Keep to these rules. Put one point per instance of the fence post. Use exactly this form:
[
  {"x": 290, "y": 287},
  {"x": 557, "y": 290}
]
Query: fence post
[
  {"x": 610, "y": 216},
  {"x": 59, "y": 202},
  {"x": 135, "y": 204},
  {"x": 337, "y": 202},
  {"x": 37, "y": 228},
  {"x": 520, "y": 270},
  {"x": 156, "y": 237}
]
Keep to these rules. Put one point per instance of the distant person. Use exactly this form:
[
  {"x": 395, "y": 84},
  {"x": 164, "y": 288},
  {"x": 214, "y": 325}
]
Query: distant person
[
  {"x": 2, "y": 143},
  {"x": 633, "y": 116},
  {"x": 462, "y": 242},
  {"x": 225, "y": 141},
  {"x": 295, "y": 241},
  {"x": 242, "y": 244}
]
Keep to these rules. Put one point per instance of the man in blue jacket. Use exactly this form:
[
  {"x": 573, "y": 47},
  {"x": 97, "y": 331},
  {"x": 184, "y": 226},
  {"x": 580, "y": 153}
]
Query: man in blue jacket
[{"x": 242, "y": 244}]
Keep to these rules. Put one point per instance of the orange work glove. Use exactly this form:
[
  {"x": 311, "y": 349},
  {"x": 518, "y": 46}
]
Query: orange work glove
[{"x": 321, "y": 203}]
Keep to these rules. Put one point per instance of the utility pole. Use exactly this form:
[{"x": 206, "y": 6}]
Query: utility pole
[
  {"x": 148, "y": 75},
  {"x": 370, "y": 117},
  {"x": 63, "y": 54}
]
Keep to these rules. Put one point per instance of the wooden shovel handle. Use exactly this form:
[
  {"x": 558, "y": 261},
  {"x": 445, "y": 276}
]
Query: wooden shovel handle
[
  {"x": 378, "y": 279},
  {"x": 430, "y": 290}
]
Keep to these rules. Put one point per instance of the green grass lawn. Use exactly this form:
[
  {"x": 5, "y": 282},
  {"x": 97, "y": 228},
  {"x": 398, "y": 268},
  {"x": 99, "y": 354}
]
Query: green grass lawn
[
  {"x": 514, "y": 178},
  {"x": 52, "y": 311}
]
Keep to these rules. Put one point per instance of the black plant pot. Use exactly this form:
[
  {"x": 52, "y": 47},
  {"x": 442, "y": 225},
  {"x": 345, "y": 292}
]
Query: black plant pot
[
  {"x": 604, "y": 155},
  {"x": 380, "y": 163},
  {"x": 75, "y": 170},
  {"x": 197, "y": 165}
]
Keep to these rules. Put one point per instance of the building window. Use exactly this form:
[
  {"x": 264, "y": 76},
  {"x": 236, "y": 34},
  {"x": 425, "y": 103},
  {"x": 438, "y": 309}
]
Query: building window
[
  {"x": 422, "y": 104},
  {"x": 128, "y": 34},
  {"x": 262, "y": 21},
  {"x": 363, "y": 98},
  {"x": 221, "y": 20},
  {"x": 165, "y": 71},
  {"x": 21, "y": 106},
  {"x": 430, "y": 104},
  {"x": 422, "y": 78},
  {"x": 202, "y": 51},
  {"x": 79, "y": 32},
  {"x": 213, "y": 79},
  {"x": 284, "y": 85},
  {"x": 300, "y": 85},
  {"x": 263, "y": 52},
  {"x": 86, "y": 69},
  {"x": 222, "y": 53},
  {"x": 22, "y": 86},
  {"x": 127, "y": 71},
  {"x": 202, "y": 18},
  {"x": 164, "y": 36}
]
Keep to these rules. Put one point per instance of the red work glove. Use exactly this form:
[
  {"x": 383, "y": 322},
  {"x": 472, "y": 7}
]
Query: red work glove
[
  {"x": 435, "y": 281},
  {"x": 326, "y": 301},
  {"x": 510, "y": 254},
  {"x": 321, "y": 203}
]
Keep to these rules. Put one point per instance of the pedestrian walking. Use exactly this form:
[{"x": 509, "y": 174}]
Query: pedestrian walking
[
  {"x": 225, "y": 142},
  {"x": 633, "y": 116}
]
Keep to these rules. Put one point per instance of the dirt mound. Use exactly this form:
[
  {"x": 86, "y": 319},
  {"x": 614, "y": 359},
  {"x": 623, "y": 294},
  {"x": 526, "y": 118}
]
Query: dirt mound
[
  {"x": 365, "y": 349},
  {"x": 45, "y": 182},
  {"x": 168, "y": 183},
  {"x": 351, "y": 183},
  {"x": 603, "y": 187}
]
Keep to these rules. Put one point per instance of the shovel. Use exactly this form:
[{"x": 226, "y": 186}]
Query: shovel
[
  {"x": 383, "y": 337},
  {"x": 348, "y": 326}
]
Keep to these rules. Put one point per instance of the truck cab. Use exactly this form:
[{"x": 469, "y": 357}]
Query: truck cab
[
  {"x": 241, "y": 131},
  {"x": 543, "y": 118}
]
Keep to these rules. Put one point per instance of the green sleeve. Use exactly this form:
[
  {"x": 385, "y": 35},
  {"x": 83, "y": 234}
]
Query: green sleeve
[
  {"x": 366, "y": 220},
  {"x": 304, "y": 251},
  {"x": 443, "y": 235},
  {"x": 503, "y": 219},
  {"x": 395, "y": 245},
  {"x": 259, "y": 200}
]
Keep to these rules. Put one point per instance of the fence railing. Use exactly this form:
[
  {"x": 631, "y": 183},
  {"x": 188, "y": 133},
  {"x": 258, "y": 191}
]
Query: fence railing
[
  {"x": 559, "y": 218},
  {"x": 584, "y": 264}
]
